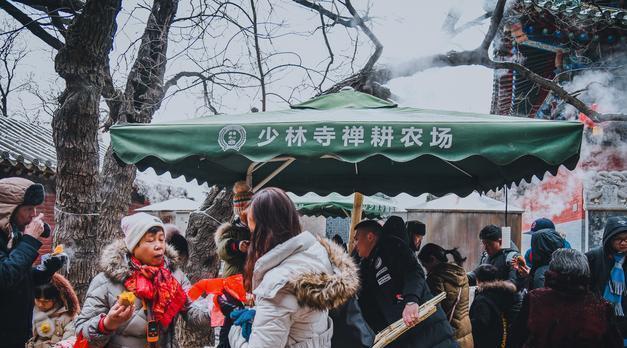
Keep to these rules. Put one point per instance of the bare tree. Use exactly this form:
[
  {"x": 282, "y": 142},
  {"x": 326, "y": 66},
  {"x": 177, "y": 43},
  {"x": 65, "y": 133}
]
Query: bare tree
[
  {"x": 258, "y": 66},
  {"x": 370, "y": 79},
  {"x": 12, "y": 52},
  {"x": 89, "y": 205}
]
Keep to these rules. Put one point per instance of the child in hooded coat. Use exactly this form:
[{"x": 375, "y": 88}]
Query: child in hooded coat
[
  {"x": 491, "y": 312},
  {"x": 56, "y": 306}
]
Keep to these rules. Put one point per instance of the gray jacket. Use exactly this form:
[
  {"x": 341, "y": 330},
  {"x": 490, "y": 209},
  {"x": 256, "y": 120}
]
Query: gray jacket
[
  {"x": 103, "y": 293},
  {"x": 295, "y": 284}
]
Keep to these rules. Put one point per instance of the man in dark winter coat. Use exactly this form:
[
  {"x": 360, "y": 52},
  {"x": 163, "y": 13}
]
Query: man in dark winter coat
[
  {"x": 20, "y": 226},
  {"x": 543, "y": 244},
  {"x": 395, "y": 226},
  {"x": 607, "y": 268},
  {"x": 416, "y": 231},
  {"x": 504, "y": 259},
  {"x": 393, "y": 289}
]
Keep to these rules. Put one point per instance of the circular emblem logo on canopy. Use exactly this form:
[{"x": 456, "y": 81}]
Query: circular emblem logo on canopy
[{"x": 232, "y": 137}]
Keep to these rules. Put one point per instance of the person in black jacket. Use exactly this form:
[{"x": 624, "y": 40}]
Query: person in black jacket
[
  {"x": 393, "y": 289},
  {"x": 416, "y": 231},
  {"x": 504, "y": 259},
  {"x": 543, "y": 244},
  {"x": 395, "y": 226},
  {"x": 20, "y": 226},
  {"x": 608, "y": 266},
  {"x": 490, "y": 312}
]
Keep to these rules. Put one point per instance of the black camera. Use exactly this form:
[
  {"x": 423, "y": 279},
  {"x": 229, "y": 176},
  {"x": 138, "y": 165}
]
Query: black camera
[{"x": 46, "y": 232}]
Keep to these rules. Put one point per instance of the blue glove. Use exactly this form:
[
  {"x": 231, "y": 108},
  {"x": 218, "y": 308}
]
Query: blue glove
[{"x": 244, "y": 318}]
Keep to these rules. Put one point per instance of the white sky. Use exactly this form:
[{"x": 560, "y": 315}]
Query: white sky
[{"x": 407, "y": 28}]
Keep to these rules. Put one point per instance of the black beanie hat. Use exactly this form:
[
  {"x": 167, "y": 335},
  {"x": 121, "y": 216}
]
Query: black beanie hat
[
  {"x": 34, "y": 195},
  {"x": 491, "y": 232},
  {"x": 416, "y": 227}
]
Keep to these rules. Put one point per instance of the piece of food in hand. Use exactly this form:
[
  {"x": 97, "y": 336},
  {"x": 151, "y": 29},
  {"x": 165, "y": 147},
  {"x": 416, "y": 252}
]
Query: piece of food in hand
[
  {"x": 521, "y": 260},
  {"x": 45, "y": 328},
  {"x": 58, "y": 249},
  {"x": 126, "y": 298}
]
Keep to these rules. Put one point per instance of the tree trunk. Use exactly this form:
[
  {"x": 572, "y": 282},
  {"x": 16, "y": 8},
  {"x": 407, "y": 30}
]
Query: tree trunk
[
  {"x": 141, "y": 98},
  {"x": 75, "y": 125},
  {"x": 203, "y": 260},
  {"x": 115, "y": 194}
]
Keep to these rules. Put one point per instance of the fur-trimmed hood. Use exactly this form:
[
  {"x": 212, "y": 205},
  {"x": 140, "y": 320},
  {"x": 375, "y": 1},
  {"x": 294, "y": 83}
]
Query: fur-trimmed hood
[
  {"x": 498, "y": 285},
  {"x": 224, "y": 228},
  {"x": 502, "y": 292},
  {"x": 228, "y": 227},
  {"x": 115, "y": 260},
  {"x": 15, "y": 192},
  {"x": 68, "y": 296},
  {"x": 319, "y": 272}
]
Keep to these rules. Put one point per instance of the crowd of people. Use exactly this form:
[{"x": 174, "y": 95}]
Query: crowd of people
[{"x": 304, "y": 291}]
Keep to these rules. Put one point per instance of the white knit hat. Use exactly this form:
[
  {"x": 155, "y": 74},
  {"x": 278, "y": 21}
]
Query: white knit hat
[{"x": 136, "y": 225}]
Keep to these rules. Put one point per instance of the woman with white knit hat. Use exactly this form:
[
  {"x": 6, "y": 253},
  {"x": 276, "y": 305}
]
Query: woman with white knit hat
[{"x": 143, "y": 264}]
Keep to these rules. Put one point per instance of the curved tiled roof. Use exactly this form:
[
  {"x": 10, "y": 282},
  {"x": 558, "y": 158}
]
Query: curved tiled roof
[
  {"x": 581, "y": 11},
  {"x": 27, "y": 145},
  {"x": 30, "y": 147}
]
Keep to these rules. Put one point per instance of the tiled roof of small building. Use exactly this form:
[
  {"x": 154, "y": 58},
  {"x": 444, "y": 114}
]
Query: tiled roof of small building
[
  {"x": 580, "y": 10},
  {"x": 27, "y": 145}
]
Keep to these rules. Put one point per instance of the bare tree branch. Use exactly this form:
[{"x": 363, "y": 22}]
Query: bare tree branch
[
  {"x": 495, "y": 24},
  {"x": 345, "y": 21},
  {"x": 331, "y": 56},
  {"x": 31, "y": 25},
  {"x": 257, "y": 47},
  {"x": 67, "y": 6},
  {"x": 11, "y": 54},
  {"x": 377, "y": 44},
  {"x": 365, "y": 79},
  {"x": 56, "y": 21}
]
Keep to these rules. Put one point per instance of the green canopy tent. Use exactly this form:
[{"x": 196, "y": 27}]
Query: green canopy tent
[
  {"x": 352, "y": 142},
  {"x": 335, "y": 205}
]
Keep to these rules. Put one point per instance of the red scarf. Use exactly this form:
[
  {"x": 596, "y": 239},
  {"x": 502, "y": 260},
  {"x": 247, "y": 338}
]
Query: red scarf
[{"x": 157, "y": 286}]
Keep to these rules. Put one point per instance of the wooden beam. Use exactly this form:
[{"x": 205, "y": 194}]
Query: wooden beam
[{"x": 358, "y": 200}]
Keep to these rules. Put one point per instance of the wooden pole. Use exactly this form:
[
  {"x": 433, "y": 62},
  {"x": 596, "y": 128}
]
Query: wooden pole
[{"x": 358, "y": 199}]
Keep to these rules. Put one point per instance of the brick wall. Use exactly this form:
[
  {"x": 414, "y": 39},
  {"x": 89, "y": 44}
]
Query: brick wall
[{"x": 48, "y": 210}]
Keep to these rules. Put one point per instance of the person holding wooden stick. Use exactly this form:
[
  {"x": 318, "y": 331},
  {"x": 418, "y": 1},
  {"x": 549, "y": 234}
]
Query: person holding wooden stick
[{"x": 393, "y": 289}]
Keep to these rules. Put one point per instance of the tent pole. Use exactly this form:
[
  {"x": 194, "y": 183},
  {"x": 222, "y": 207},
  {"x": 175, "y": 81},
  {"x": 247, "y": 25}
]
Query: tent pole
[
  {"x": 506, "y": 206},
  {"x": 253, "y": 166},
  {"x": 358, "y": 200}
]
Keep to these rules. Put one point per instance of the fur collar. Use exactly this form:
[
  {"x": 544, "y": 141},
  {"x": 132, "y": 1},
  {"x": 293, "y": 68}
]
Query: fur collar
[
  {"x": 224, "y": 228},
  {"x": 327, "y": 291},
  {"x": 227, "y": 227},
  {"x": 115, "y": 258},
  {"x": 498, "y": 285}
]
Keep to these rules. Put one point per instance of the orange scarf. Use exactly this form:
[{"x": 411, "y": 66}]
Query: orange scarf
[{"x": 157, "y": 286}]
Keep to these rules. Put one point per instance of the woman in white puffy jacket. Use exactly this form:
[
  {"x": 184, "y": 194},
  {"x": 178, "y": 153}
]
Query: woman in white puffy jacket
[{"x": 295, "y": 277}]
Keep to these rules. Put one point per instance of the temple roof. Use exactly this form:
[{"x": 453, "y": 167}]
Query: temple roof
[{"x": 581, "y": 11}]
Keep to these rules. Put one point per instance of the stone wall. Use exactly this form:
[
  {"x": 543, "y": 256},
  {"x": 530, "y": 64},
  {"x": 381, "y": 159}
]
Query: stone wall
[{"x": 606, "y": 196}]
